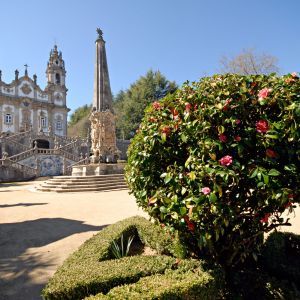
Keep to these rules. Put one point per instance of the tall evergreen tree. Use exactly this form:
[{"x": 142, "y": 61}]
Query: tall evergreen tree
[{"x": 129, "y": 105}]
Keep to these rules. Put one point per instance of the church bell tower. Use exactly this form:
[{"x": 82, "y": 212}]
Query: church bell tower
[{"x": 56, "y": 72}]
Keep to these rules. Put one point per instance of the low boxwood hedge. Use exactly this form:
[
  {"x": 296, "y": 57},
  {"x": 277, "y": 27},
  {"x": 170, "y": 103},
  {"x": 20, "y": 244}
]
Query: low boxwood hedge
[
  {"x": 92, "y": 269},
  {"x": 192, "y": 284},
  {"x": 281, "y": 256}
]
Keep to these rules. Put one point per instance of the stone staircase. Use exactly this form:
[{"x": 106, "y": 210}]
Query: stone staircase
[{"x": 63, "y": 184}]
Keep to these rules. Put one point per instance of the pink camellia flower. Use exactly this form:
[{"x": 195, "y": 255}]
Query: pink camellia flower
[
  {"x": 205, "y": 190},
  {"x": 262, "y": 126},
  {"x": 188, "y": 106},
  {"x": 289, "y": 204},
  {"x": 237, "y": 138},
  {"x": 156, "y": 105},
  {"x": 223, "y": 138},
  {"x": 166, "y": 130},
  {"x": 226, "y": 160},
  {"x": 271, "y": 153},
  {"x": 195, "y": 106},
  {"x": 175, "y": 113},
  {"x": 291, "y": 196},
  {"x": 262, "y": 94},
  {"x": 294, "y": 74},
  {"x": 237, "y": 121},
  {"x": 265, "y": 219}
]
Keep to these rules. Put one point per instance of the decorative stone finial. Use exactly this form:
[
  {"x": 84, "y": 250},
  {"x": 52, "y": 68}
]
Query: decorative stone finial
[
  {"x": 34, "y": 78},
  {"x": 16, "y": 75},
  {"x": 0, "y": 75},
  {"x": 100, "y": 33}
]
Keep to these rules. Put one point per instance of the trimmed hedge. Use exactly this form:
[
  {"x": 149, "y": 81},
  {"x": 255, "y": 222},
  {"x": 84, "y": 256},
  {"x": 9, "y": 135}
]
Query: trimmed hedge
[
  {"x": 92, "y": 269},
  {"x": 193, "y": 284},
  {"x": 281, "y": 256}
]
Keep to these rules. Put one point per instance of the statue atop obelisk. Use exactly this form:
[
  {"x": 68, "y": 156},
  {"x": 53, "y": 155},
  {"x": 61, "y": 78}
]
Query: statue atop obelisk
[{"x": 103, "y": 129}]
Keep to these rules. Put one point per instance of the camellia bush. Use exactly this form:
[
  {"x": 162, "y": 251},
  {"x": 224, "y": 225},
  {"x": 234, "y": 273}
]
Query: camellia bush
[{"x": 218, "y": 162}]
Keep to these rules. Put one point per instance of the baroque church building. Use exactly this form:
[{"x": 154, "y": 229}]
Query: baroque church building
[
  {"x": 24, "y": 105},
  {"x": 33, "y": 126}
]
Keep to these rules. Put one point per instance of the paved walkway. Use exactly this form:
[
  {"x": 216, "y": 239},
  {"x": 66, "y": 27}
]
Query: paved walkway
[{"x": 39, "y": 230}]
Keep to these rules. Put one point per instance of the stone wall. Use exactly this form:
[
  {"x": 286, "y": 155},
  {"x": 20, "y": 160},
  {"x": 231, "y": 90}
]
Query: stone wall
[
  {"x": 49, "y": 165},
  {"x": 8, "y": 174}
]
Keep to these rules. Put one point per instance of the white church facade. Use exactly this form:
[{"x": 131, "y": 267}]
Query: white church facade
[{"x": 25, "y": 106}]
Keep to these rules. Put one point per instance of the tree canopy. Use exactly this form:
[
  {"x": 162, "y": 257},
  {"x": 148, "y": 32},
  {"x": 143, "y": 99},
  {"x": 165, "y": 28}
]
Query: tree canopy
[{"x": 129, "y": 105}]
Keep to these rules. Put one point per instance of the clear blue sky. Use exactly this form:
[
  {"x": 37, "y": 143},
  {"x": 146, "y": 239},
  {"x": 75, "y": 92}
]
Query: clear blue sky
[{"x": 182, "y": 39}]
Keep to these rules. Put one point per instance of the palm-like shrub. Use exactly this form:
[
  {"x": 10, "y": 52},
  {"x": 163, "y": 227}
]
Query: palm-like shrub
[{"x": 219, "y": 162}]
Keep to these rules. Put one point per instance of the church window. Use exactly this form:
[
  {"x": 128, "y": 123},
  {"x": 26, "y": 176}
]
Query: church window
[
  {"x": 43, "y": 122},
  {"x": 8, "y": 119},
  {"x": 58, "y": 125},
  {"x": 57, "y": 78}
]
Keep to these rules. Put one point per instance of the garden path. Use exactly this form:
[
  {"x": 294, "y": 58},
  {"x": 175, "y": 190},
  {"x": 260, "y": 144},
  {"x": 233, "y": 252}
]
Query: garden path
[{"x": 39, "y": 230}]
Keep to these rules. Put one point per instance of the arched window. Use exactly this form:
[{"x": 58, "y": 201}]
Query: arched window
[{"x": 57, "y": 78}]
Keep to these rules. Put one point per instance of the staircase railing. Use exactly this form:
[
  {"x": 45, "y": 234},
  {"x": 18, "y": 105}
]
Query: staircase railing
[
  {"x": 23, "y": 168},
  {"x": 16, "y": 135},
  {"x": 22, "y": 155}
]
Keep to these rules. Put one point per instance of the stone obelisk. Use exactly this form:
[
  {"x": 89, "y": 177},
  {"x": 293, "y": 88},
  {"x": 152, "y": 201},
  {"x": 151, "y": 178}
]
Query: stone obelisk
[{"x": 103, "y": 129}]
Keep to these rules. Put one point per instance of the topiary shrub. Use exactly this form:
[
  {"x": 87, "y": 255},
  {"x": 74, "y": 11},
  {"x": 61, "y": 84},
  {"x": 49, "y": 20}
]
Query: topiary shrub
[
  {"x": 219, "y": 162},
  {"x": 281, "y": 256}
]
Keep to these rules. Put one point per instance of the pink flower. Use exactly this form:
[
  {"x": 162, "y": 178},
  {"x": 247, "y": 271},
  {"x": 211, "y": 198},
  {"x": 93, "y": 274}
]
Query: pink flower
[
  {"x": 294, "y": 74},
  {"x": 166, "y": 130},
  {"x": 237, "y": 121},
  {"x": 237, "y": 138},
  {"x": 195, "y": 106},
  {"x": 291, "y": 196},
  {"x": 271, "y": 153},
  {"x": 205, "y": 190},
  {"x": 191, "y": 226},
  {"x": 263, "y": 93},
  {"x": 223, "y": 138},
  {"x": 175, "y": 113},
  {"x": 287, "y": 205},
  {"x": 265, "y": 219},
  {"x": 226, "y": 160},
  {"x": 156, "y": 105},
  {"x": 262, "y": 126},
  {"x": 188, "y": 106}
]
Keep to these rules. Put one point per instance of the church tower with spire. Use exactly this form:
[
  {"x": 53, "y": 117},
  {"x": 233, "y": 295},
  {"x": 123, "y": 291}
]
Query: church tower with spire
[
  {"x": 56, "y": 75},
  {"x": 103, "y": 129}
]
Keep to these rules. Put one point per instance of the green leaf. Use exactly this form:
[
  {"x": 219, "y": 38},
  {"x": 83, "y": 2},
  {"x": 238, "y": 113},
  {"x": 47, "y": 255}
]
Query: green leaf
[
  {"x": 163, "y": 209},
  {"x": 163, "y": 137},
  {"x": 254, "y": 173},
  {"x": 274, "y": 172},
  {"x": 212, "y": 197},
  {"x": 266, "y": 178},
  {"x": 183, "y": 190},
  {"x": 260, "y": 184},
  {"x": 183, "y": 211},
  {"x": 168, "y": 178},
  {"x": 184, "y": 138},
  {"x": 192, "y": 175}
]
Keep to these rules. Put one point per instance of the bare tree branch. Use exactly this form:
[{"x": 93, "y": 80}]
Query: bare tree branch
[{"x": 249, "y": 62}]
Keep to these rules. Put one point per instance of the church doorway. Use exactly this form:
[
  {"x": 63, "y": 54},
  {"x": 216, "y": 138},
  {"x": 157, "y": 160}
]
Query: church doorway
[{"x": 44, "y": 144}]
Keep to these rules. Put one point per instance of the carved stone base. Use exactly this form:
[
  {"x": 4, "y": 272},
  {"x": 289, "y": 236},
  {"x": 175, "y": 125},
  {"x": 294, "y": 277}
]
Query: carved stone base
[
  {"x": 98, "y": 169},
  {"x": 103, "y": 137}
]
